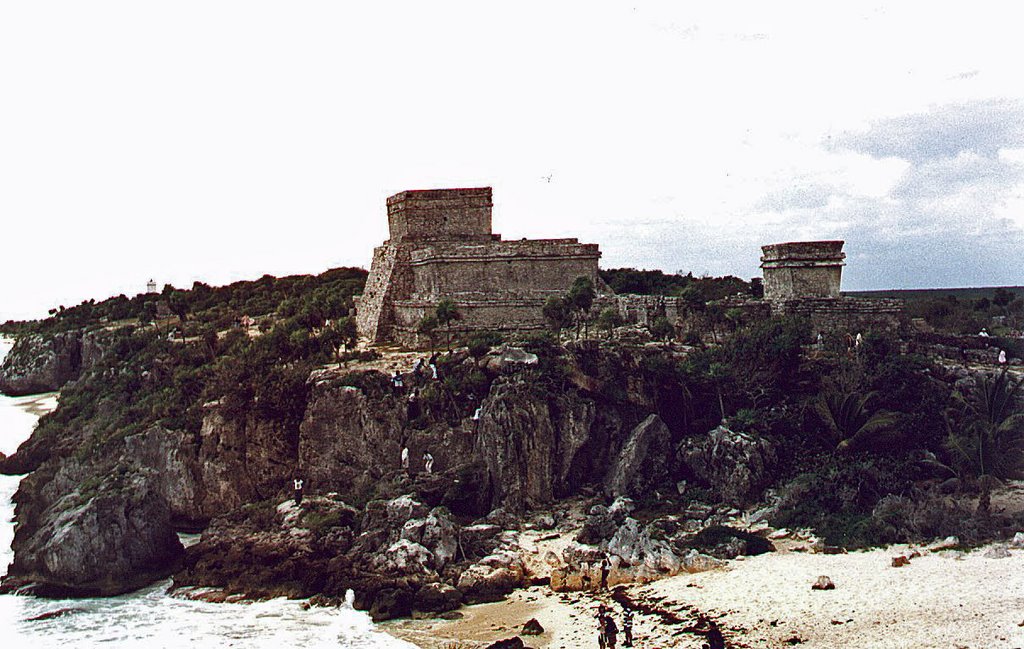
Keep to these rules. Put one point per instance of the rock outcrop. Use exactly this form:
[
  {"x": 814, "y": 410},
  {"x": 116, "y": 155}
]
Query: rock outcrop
[
  {"x": 44, "y": 363},
  {"x": 735, "y": 465},
  {"x": 102, "y": 538},
  {"x": 644, "y": 461}
]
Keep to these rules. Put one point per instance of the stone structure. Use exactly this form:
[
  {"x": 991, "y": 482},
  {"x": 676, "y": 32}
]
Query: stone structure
[
  {"x": 441, "y": 247},
  {"x": 803, "y": 279},
  {"x": 803, "y": 269}
]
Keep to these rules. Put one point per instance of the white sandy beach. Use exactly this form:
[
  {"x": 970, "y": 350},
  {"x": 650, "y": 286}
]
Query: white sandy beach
[{"x": 942, "y": 599}]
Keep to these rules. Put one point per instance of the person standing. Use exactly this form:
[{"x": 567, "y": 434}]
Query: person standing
[
  {"x": 605, "y": 569},
  {"x": 610, "y": 631},
  {"x": 297, "y": 483},
  {"x": 405, "y": 458},
  {"x": 602, "y": 639},
  {"x": 627, "y": 628},
  {"x": 428, "y": 462},
  {"x": 1002, "y": 357}
]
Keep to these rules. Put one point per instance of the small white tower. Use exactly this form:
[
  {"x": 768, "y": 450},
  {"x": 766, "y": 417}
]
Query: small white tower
[{"x": 151, "y": 286}]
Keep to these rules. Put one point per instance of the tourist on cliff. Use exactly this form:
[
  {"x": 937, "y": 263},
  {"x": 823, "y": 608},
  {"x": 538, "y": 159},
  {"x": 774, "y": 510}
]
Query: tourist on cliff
[
  {"x": 297, "y": 483},
  {"x": 428, "y": 462},
  {"x": 1002, "y": 357},
  {"x": 405, "y": 458},
  {"x": 397, "y": 382}
]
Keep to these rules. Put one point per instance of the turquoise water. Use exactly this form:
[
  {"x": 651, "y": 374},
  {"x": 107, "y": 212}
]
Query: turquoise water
[{"x": 150, "y": 618}]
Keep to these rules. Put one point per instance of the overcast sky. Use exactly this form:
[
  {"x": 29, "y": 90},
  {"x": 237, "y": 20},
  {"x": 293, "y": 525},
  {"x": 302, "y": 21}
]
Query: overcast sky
[{"x": 220, "y": 140}]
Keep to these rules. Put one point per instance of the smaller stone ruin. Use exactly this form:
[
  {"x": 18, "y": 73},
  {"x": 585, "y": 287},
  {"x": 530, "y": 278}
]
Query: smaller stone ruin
[{"x": 803, "y": 278}]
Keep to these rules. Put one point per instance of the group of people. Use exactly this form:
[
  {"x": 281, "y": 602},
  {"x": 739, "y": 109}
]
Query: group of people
[
  {"x": 608, "y": 631},
  {"x": 428, "y": 460}
]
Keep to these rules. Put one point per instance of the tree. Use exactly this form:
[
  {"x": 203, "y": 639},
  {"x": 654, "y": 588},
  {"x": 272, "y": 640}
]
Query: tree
[
  {"x": 581, "y": 299},
  {"x": 849, "y": 420},
  {"x": 662, "y": 329},
  {"x": 608, "y": 319},
  {"x": 986, "y": 432},
  {"x": 177, "y": 302},
  {"x": 558, "y": 312},
  {"x": 428, "y": 325},
  {"x": 446, "y": 313}
]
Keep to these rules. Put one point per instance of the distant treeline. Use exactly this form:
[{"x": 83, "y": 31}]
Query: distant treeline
[
  {"x": 656, "y": 282},
  {"x": 310, "y": 298}
]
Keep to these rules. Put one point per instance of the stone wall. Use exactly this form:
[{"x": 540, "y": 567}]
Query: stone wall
[
  {"x": 802, "y": 269},
  {"x": 440, "y": 214},
  {"x": 844, "y": 315},
  {"x": 441, "y": 247}
]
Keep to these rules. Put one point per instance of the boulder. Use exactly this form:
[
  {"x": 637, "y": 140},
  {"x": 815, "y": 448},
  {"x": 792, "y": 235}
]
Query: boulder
[
  {"x": 441, "y": 537},
  {"x": 823, "y": 583},
  {"x": 736, "y": 465},
  {"x": 437, "y": 597},
  {"x": 643, "y": 461},
  {"x": 111, "y": 536},
  {"x": 404, "y": 557},
  {"x": 532, "y": 627},
  {"x": 510, "y": 643}
]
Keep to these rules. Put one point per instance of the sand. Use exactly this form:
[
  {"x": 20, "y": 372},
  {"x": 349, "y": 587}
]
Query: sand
[{"x": 942, "y": 599}]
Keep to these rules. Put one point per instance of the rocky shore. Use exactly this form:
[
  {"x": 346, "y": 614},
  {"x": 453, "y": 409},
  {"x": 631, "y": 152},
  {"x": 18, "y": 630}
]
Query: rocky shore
[{"x": 571, "y": 469}]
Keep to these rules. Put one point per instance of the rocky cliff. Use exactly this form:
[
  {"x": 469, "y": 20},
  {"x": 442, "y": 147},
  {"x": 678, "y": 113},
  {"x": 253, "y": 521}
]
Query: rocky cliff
[
  {"x": 508, "y": 434},
  {"x": 44, "y": 363}
]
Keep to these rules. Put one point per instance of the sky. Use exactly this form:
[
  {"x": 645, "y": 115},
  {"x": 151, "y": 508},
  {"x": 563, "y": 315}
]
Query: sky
[{"x": 222, "y": 140}]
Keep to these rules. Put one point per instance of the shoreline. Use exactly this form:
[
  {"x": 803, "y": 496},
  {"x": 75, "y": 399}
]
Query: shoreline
[{"x": 943, "y": 598}]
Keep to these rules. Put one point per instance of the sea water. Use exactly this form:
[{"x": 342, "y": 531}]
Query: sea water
[{"x": 150, "y": 617}]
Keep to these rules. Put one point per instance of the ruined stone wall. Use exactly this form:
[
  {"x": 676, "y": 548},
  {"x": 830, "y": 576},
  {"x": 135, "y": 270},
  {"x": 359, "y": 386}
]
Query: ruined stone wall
[
  {"x": 440, "y": 214},
  {"x": 441, "y": 247},
  {"x": 802, "y": 269},
  {"x": 846, "y": 314},
  {"x": 643, "y": 309},
  {"x": 502, "y": 269}
]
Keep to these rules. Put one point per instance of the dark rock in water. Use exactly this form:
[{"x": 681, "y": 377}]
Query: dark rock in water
[
  {"x": 437, "y": 598},
  {"x": 734, "y": 464},
  {"x": 78, "y": 546},
  {"x": 532, "y": 627},
  {"x": 391, "y": 603},
  {"x": 511, "y": 643},
  {"x": 643, "y": 462},
  {"x": 49, "y": 615}
]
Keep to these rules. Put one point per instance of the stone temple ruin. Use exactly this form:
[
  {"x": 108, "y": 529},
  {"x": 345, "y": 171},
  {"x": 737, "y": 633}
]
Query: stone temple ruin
[
  {"x": 441, "y": 247},
  {"x": 803, "y": 279}
]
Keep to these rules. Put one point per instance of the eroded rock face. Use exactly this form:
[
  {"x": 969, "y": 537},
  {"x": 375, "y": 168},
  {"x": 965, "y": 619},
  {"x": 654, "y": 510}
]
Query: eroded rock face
[
  {"x": 98, "y": 540},
  {"x": 644, "y": 460},
  {"x": 39, "y": 363},
  {"x": 735, "y": 465}
]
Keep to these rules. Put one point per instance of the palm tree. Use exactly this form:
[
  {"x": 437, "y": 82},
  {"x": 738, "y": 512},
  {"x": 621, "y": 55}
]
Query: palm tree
[
  {"x": 847, "y": 416},
  {"x": 446, "y": 313},
  {"x": 990, "y": 439}
]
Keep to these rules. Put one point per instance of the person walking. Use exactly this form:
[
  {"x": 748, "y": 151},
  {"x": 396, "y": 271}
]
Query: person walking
[
  {"x": 297, "y": 483},
  {"x": 602, "y": 639}
]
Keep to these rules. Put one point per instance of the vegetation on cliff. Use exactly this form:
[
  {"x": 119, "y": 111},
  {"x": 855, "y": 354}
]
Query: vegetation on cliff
[{"x": 224, "y": 394}]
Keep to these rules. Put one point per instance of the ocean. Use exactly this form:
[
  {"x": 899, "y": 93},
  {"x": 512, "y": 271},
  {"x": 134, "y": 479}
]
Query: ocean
[{"x": 151, "y": 618}]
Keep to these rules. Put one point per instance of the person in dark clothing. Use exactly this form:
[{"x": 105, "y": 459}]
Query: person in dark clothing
[
  {"x": 610, "y": 631},
  {"x": 297, "y": 483},
  {"x": 602, "y": 639},
  {"x": 605, "y": 569}
]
